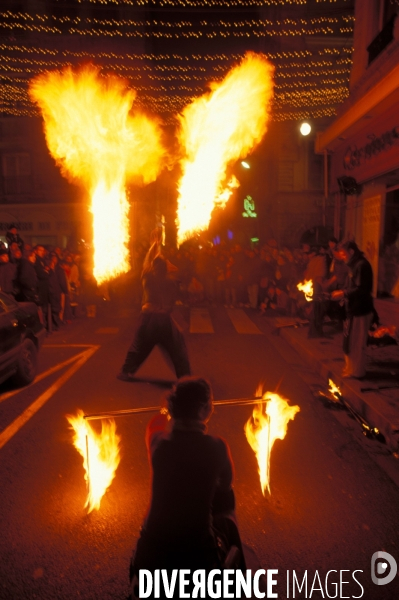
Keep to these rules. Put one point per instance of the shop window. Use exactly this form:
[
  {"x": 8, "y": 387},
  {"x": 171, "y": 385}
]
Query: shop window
[
  {"x": 389, "y": 10},
  {"x": 285, "y": 175},
  {"x": 316, "y": 172},
  {"x": 16, "y": 173}
]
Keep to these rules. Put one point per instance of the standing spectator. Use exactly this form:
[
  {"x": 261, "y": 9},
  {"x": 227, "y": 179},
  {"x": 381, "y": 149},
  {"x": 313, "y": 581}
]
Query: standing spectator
[
  {"x": 237, "y": 283},
  {"x": 253, "y": 278},
  {"x": 8, "y": 274},
  {"x": 359, "y": 310},
  {"x": 27, "y": 279},
  {"x": 336, "y": 281},
  {"x": 332, "y": 247},
  {"x": 13, "y": 237},
  {"x": 316, "y": 271},
  {"x": 42, "y": 271},
  {"x": 15, "y": 253},
  {"x": 70, "y": 266},
  {"x": 267, "y": 275},
  {"x": 220, "y": 278},
  {"x": 55, "y": 291}
]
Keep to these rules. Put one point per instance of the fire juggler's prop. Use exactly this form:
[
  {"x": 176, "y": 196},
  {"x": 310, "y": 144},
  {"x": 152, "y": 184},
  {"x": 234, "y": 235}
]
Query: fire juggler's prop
[
  {"x": 100, "y": 451},
  {"x": 268, "y": 423},
  {"x": 307, "y": 288},
  {"x": 334, "y": 395},
  {"x": 98, "y": 143}
]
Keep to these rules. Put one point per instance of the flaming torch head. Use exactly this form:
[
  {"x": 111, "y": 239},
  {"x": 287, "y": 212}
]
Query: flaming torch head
[
  {"x": 334, "y": 390},
  {"x": 100, "y": 452},
  {"x": 307, "y": 289},
  {"x": 216, "y": 130},
  {"x": 268, "y": 423},
  {"x": 96, "y": 142}
]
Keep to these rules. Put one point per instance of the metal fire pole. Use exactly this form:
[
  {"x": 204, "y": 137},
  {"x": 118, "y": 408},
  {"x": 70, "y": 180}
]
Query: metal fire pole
[{"x": 143, "y": 409}]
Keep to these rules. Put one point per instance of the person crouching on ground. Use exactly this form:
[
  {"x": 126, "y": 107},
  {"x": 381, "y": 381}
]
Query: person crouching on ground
[{"x": 192, "y": 499}]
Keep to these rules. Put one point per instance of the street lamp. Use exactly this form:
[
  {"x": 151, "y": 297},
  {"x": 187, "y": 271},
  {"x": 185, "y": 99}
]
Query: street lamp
[{"x": 305, "y": 128}]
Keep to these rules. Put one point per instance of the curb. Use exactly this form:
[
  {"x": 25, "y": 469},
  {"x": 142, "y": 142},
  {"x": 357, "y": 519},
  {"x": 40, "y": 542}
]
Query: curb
[{"x": 373, "y": 408}]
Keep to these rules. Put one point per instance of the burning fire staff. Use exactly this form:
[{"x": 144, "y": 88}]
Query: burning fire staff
[
  {"x": 156, "y": 326},
  {"x": 192, "y": 501}
]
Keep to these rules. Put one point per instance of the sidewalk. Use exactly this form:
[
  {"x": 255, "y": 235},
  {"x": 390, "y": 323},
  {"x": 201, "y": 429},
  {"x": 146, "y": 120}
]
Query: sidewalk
[{"x": 378, "y": 407}]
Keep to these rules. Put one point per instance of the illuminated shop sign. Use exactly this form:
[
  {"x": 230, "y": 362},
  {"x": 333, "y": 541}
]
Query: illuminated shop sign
[
  {"x": 354, "y": 156},
  {"x": 249, "y": 207}
]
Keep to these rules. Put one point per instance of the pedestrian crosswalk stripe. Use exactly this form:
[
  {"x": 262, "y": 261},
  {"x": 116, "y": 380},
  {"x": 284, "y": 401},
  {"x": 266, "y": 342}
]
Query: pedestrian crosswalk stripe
[
  {"x": 200, "y": 321},
  {"x": 242, "y": 323}
]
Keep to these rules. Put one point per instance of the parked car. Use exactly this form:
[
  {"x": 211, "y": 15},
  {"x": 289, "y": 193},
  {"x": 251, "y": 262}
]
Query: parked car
[{"x": 21, "y": 335}]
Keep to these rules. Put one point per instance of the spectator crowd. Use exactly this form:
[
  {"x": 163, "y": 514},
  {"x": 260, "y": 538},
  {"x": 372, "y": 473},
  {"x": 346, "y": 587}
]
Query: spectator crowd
[
  {"x": 260, "y": 278},
  {"x": 49, "y": 277}
]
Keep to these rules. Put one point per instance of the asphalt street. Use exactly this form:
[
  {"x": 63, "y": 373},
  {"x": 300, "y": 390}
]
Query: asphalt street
[{"x": 332, "y": 505}]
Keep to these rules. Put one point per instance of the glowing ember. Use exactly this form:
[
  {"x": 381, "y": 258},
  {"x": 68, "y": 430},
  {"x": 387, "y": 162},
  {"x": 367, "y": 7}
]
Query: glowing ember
[
  {"x": 334, "y": 390},
  {"x": 307, "y": 289},
  {"x": 96, "y": 142},
  {"x": 217, "y": 129},
  {"x": 268, "y": 423},
  {"x": 100, "y": 453}
]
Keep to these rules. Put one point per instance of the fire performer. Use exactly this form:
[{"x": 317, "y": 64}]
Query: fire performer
[
  {"x": 359, "y": 310},
  {"x": 191, "y": 512},
  {"x": 156, "y": 326}
]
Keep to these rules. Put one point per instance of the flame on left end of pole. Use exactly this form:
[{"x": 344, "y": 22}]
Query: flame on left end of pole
[{"x": 101, "y": 455}]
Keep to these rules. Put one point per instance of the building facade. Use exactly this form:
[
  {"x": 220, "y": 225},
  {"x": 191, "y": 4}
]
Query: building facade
[{"x": 362, "y": 145}]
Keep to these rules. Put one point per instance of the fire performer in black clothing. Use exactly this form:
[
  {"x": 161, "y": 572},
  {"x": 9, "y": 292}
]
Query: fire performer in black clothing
[
  {"x": 191, "y": 513},
  {"x": 156, "y": 326}
]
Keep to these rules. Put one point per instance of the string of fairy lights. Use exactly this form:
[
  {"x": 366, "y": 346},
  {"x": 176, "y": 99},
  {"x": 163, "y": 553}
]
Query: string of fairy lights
[
  {"x": 203, "y": 3},
  {"x": 172, "y": 29},
  {"x": 309, "y": 82}
]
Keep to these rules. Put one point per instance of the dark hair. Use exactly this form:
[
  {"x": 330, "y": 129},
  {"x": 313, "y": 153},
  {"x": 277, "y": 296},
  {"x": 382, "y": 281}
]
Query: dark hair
[
  {"x": 351, "y": 245},
  {"x": 188, "y": 396},
  {"x": 159, "y": 265},
  {"x": 333, "y": 239}
]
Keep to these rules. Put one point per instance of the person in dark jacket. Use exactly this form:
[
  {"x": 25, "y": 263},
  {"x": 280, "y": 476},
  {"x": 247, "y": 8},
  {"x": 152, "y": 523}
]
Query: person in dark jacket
[
  {"x": 42, "y": 271},
  {"x": 8, "y": 274},
  {"x": 27, "y": 279},
  {"x": 156, "y": 326},
  {"x": 57, "y": 286},
  {"x": 192, "y": 499},
  {"x": 359, "y": 309},
  {"x": 13, "y": 237}
]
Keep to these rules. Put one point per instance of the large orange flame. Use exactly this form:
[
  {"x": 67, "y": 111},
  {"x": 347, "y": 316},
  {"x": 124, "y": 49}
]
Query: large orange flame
[
  {"x": 100, "y": 452},
  {"x": 268, "y": 423},
  {"x": 95, "y": 141},
  {"x": 215, "y": 130},
  {"x": 307, "y": 288}
]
